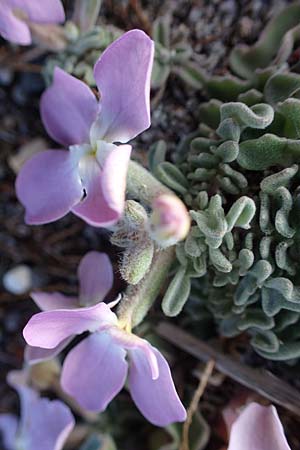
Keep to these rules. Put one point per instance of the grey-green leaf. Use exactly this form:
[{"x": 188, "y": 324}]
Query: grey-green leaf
[{"x": 177, "y": 293}]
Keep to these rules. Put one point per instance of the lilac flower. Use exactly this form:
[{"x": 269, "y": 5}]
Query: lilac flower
[
  {"x": 258, "y": 428},
  {"x": 16, "y": 16},
  {"x": 89, "y": 179},
  {"x": 96, "y": 369},
  {"x": 43, "y": 424}
]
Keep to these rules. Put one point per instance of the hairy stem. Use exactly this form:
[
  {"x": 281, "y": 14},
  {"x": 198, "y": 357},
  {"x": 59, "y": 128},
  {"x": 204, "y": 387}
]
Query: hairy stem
[
  {"x": 138, "y": 299},
  {"x": 142, "y": 185}
]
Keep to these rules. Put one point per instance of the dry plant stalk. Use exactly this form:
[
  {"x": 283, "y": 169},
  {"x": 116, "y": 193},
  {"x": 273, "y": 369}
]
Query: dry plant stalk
[{"x": 194, "y": 403}]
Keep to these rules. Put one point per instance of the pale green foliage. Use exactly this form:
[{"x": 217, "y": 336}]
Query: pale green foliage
[
  {"x": 86, "y": 43},
  {"x": 239, "y": 175}
]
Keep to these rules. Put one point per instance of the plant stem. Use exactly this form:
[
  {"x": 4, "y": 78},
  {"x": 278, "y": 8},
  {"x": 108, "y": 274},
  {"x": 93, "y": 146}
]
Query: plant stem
[
  {"x": 194, "y": 404},
  {"x": 142, "y": 185},
  {"x": 138, "y": 299}
]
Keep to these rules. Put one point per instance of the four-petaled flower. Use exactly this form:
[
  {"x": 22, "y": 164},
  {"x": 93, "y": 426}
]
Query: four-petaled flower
[
  {"x": 16, "y": 16},
  {"x": 89, "y": 179},
  {"x": 44, "y": 424},
  {"x": 95, "y": 370},
  {"x": 95, "y": 275}
]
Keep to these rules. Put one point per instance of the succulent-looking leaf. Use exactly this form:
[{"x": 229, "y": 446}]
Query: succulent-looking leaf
[
  {"x": 170, "y": 175},
  {"x": 257, "y": 116},
  {"x": 177, "y": 294},
  {"x": 244, "y": 60},
  {"x": 281, "y": 86},
  {"x": 157, "y": 155},
  {"x": 241, "y": 213},
  {"x": 267, "y": 151}
]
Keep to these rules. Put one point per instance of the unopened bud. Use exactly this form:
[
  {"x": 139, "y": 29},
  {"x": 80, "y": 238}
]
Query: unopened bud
[
  {"x": 169, "y": 222},
  {"x": 136, "y": 261},
  {"x": 131, "y": 228}
]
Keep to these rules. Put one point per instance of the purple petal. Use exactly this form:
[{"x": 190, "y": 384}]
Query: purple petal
[
  {"x": 48, "y": 301},
  {"x": 95, "y": 275},
  {"x": 123, "y": 77},
  {"x": 258, "y": 428},
  {"x": 113, "y": 178},
  {"x": 48, "y": 186},
  {"x": 12, "y": 28},
  {"x": 50, "y": 424},
  {"x": 28, "y": 398},
  {"x": 8, "y": 430},
  {"x": 51, "y": 11},
  {"x": 130, "y": 341},
  {"x": 157, "y": 399},
  {"x": 18, "y": 379},
  {"x": 94, "y": 208},
  {"x": 42, "y": 420},
  {"x": 50, "y": 328},
  {"x": 68, "y": 109},
  {"x": 94, "y": 371},
  {"x": 33, "y": 355}
]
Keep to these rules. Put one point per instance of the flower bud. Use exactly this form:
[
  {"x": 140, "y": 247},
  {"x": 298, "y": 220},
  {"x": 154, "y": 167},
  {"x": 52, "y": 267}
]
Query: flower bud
[{"x": 169, "y": 222}]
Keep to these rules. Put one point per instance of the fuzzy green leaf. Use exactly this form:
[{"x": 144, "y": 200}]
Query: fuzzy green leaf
[
  {"x": 227, "y": 151},
  {"x": 257, "y": 319},
  {"x": 161, "y": 30},
  {"x": 177, "y": 294},
  {"x": 251, "y": 97},
  {"x": 241, "y": 213},
  {"x": 258, "y": 116},
  {"x": 271, "y": 183},
  {"x": 265, "y": 341},
  {"x": 157, "y": 154},
  {"x": 281, "y": 86},
  {"x": 267, "y": 151},
  {"x": 170, "y": 175},
  {"x": 290, "y": 110},
  {"x": 244, "y": 60},
  {"x": 191, "y": 74}
]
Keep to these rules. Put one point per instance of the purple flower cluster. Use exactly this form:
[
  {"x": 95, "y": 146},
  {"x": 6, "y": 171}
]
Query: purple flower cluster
[
  {"x": 96, "y": 369},
  {"x": 89, "y": 178}
]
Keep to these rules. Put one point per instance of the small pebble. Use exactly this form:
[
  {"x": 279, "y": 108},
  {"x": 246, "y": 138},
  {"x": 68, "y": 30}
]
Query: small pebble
[
  {"x": 6, "y": 76},
  {"x": 18, "y": 280}
]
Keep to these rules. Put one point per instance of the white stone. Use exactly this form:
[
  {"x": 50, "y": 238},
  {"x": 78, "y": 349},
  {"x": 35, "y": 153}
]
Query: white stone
[{"x": 18, "y": 280}]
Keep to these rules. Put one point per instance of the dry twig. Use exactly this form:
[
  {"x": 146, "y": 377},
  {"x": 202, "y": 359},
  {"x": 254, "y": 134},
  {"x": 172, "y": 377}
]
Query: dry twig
[
  {"x": 194, "y": 403},
  {"x": 259, "y": 380}
]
